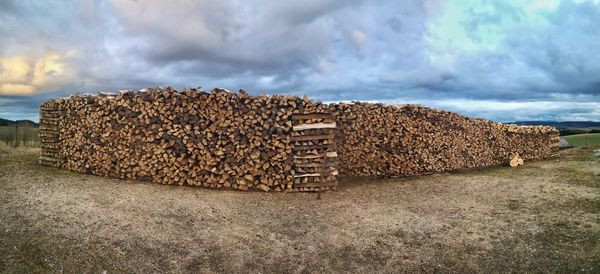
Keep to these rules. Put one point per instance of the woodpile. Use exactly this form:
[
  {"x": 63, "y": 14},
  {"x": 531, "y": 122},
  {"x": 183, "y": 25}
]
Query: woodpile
[
  {"x": 218, "y": 139},
  {"x": 49, "y": 134},
  {"x": 314, "y": 151},
  {"x": 270, "y": 143},
  {"x": 376, "y": 139}
]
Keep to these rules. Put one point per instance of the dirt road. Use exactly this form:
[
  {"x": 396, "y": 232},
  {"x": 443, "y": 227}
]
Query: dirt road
[{"x": 544, "y": 216}]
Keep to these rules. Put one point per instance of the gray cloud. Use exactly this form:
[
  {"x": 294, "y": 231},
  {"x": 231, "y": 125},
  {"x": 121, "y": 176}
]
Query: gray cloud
[{"x": 454, "y": 51}]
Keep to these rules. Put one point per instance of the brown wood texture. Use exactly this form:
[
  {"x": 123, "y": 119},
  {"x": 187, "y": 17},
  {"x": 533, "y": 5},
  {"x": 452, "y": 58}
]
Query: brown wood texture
[
  {"x": 377, "y": 139},
  {"x": 214, "y": 139},
  {"x": 220, "y": 139},
  {"x": 314, "y": 152}
]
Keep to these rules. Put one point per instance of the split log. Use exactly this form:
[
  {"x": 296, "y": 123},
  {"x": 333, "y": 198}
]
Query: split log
[
  {"x": 514, "y": 161},
  {"x": 401, "y": 140},
  {"x": 214, "y": 139}
]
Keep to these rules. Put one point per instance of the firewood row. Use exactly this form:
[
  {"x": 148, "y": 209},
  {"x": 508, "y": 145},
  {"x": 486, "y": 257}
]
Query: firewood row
[
  {"x": 214, "y": 139},
  {"x": 386, "y": 140},
  {"x": 49, "y": 136},
  {"x": 271, "y": 143},
  {"x": 313, "y": 136}
]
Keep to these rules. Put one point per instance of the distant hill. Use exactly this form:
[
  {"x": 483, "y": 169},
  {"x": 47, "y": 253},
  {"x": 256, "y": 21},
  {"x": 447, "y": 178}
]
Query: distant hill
[
  {"x": 565, "y": 124},
  {"x": 567, "y": 127},
  {"x": 21, "y": 123}
]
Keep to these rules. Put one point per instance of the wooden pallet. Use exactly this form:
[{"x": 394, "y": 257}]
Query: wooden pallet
[
  {"x": 50, "y": 137},
  {"x": 314, "y": 152}
]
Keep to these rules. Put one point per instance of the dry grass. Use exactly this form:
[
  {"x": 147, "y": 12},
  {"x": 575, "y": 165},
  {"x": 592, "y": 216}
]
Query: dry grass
[{"x": 543, "y": 217}]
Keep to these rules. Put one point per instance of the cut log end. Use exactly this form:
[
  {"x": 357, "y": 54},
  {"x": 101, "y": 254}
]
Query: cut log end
[{"x": 515, "y": 161}]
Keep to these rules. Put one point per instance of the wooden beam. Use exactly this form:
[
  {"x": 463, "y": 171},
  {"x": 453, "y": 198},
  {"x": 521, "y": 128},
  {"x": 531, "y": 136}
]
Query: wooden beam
[
  {"x": 314, "y": 126},
  {"x": 314, "y": 164},
  {"x": 313, "y": 137},
  {"x": 315, "y": 156},
  {"x": 313, "y": 116},
  {"x": 335, "y": 172},
  {"x": 317, "y": 184},
  {"x": 49, "y": 159},
  {"x": 49, "y": 119},
  {"x": 301, "y": 148}
]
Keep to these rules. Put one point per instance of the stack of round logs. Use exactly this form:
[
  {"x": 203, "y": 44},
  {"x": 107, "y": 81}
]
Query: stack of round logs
[
  {"x": 376, "y": 139},
  {"x": 218, "y": 139}
]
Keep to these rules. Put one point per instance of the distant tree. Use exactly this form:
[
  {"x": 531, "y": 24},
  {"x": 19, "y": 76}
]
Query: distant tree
[
  {"x": 5, "y": 122},
  {"x": 566, "y": 131},
  {"x": 7, "y": 134}
]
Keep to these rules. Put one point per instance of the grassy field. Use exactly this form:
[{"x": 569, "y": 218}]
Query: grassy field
[
  {"x": 543, "y": 217},
  {"x": 582, "y": 140},
  {"x": 26, "y": 136}
]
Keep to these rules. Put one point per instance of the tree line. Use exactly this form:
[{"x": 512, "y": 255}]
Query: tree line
[{"x": 19, "y": 136}]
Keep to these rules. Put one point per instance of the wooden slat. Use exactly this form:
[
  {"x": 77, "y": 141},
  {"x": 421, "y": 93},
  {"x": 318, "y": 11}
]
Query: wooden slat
[
  {"x": 316, "y": 184},
  {"x": 309, "y": 116},
  {"x": 47, "y": 115},
  {"x": 314, "y": 126},
  {"x": 313, "y": 137},
  {"x": 48, "y": 129},
  {"x": 42, "y": 119},
  {"x": 316, "y": 156},
  {"x": 301, "y": 148},
  {"x": 335, "y": 172},
  {"x": 313, "y": 164},
  {"x": 50, "y": 146},
  {"x": 43, "y": 158}
]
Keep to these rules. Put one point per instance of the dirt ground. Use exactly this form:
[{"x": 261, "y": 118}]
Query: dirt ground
[{"x": 542, "y": 217}]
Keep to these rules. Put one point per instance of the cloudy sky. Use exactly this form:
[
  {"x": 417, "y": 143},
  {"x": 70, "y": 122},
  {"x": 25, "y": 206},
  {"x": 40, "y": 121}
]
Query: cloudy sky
[{"x": 502, "y": 60}]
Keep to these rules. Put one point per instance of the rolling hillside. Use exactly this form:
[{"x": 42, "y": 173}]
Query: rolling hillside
[{"x": 21, "y": 123}]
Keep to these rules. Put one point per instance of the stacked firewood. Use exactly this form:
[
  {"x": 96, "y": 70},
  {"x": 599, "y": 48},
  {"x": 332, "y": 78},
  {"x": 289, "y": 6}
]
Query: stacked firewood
[
  {"x": 49, "y": 134},
  {"x": 314, "y": 151},
  {"x": 272, "y": 143},
  {"x": 376, "y": 139},
  {"x": 218, "y": 139}
]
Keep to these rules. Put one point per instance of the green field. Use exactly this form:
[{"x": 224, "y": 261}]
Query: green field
[
  {"x": 26, "y": 136},
  {"x": 583, "y": 140}
]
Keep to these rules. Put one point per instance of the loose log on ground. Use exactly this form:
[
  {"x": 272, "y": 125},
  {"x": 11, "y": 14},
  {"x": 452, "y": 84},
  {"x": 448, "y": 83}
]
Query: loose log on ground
[{"x": 514, "y": 161}]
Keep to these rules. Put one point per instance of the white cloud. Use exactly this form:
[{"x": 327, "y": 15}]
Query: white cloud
[
  {"x": 325, "y": 65},
  {"x": 510, "y": 111},
  {"x": 358, "y": 38},
  {"x": 484, "y": 52},
  {"x": 21, "y": 76}
]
